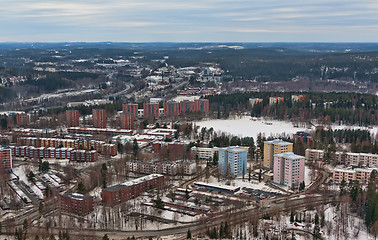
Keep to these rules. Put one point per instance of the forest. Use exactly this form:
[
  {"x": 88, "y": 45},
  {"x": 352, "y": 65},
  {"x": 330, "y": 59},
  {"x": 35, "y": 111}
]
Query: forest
[{"x": 327, "y": 108}]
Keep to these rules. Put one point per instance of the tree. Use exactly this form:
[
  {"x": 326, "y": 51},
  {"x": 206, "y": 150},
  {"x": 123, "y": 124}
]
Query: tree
[
  {"x": 372, "y": 201},
  {"x": 159, "y": 203},
  {"x": 81, "y": 188},
  {"x": 105, "y": 237},
  {"x": 188, "y": 234},
  {"x": 45, "y": 166},
  {"x": 316, "y": 220},
  {"x": 31, "y": 177},
  {"x": 135, "y": 147},
  {"x": 4, "y": 123},
  {"x": 104, "y": 171},
  {"x": 291, "y": 217}
]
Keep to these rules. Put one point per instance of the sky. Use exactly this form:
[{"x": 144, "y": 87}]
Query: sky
[{"x": 189, "y": 21}]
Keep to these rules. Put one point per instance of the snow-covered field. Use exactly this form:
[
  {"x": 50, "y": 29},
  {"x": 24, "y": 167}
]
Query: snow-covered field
[{"x": 245, "y": 127}]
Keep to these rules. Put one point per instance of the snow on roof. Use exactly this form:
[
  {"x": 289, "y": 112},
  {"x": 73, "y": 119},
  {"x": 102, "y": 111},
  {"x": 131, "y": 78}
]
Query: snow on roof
[
  {"x": 231, "y": 188},
  {"x": 278, "y": 142},
  {"x": 289, "y": 155}
]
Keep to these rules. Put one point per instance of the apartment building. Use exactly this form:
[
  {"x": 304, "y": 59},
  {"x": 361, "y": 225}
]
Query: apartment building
[
  {"x": 205, "y": 153},
  {"x": 314, "y": 154},
  {"x": 232, "y": 160},
  {"x": 72, "y": 118},
  {"x": 76, "y": 203},
  {"x": 130, "y": 108},
  {"x": 127, "y": 121},
  {"x": 288, "y": 169},
  {"x": 22, "y": 119},
  {"x": 357, "y": 159},
  {"x": 99, "y": 118},
  {"x": 348, "y": 174},
  {"x": 274, "y": 100},
  {"x": 276, "y": 146},
  {"x": 131, "y": 189},
  {"x": 78, "y": 144},
  {"x": 5, "y": 157}
]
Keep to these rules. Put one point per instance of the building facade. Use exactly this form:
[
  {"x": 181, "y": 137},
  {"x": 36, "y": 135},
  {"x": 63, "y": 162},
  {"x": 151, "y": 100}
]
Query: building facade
[
  {"x": 76, "y": 203},
  {"x": 273, "y": 147},
  {"x": 127, "y": 121},
  {"x": 72, "y": 118},
  {"x": 150, "y": 110},
  {"x": 360, "y": 174},
  {"x": 205, "y": 153},
  {"x": 274, "y": 100},
  {"x": 22, "y": 119},
  {"x": 5, "y": 158},
  {"x": 357, "y": 159},
  {"x": 131, "y": 189},
  {"x": 130, "y": 108},
  {"x": 288, "y": 169},
  {"x": 232, "y": 161},
  {"x": 99, "y": 118},
  {"x": 314, "y": 154},
  {"x": 171, "y": 109},
  {"x": 78, "y": 144}
]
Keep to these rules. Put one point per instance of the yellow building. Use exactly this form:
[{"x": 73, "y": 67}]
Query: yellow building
[{"x": 273, "y": 147}]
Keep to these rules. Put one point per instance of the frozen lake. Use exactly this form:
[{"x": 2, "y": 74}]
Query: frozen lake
[{"x": 246, "y": 127}]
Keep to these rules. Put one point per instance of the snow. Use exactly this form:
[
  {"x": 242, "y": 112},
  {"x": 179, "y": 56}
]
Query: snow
[
  {"x": 246, "y": 127},
  {"x": 239, "y": 182}
]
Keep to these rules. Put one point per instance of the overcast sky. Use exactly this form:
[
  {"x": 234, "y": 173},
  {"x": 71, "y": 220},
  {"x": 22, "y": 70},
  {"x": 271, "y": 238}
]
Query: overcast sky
[{"x": 189, "y": 20}]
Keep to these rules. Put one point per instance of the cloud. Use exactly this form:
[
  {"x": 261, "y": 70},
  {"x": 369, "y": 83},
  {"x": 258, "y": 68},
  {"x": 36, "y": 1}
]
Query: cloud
[{"x": 196, "y": 19}]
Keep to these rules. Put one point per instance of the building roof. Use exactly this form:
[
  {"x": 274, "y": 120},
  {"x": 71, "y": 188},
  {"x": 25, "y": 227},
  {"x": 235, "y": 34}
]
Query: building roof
[
  {"x": 234, "y": 149},
  {"x": 289, "y": 155},
  {"x": 133, "y": 182},
  {"x": 278, "y": 142},
  {"x": 77, "y": 196}
]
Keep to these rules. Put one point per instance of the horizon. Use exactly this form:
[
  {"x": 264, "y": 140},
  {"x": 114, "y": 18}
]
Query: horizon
[{"x": 138, "y": 21}]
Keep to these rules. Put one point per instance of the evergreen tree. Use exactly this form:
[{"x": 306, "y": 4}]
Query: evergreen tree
[
  {"x": 316, "y": 220},
  {"x": 135, "y": 147},
  {"x": 372, "y": 200},
  {"x": 81, "y": 188},
  {"x": 105, "y": 237},
  {"x": 188, "y": 234},
  {"x": 291, "y": 217}
]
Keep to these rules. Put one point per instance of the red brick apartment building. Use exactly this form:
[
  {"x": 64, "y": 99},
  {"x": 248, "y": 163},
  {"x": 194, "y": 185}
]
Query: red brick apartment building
[
  {"x": 171, "y": 109},
  {"x": 130, "y": 108},
  {"x": 22, "y": 119},
  {"x": 128, "y": 190},
  {"x": 78, "y": 144},
  {"x": 99, "y": 118},
  {"x": 76, "y": 203},
  {"x": 5, "y": 158},
  {"x": 127, "y": 121},
  {"x": 72, "y": 118},
  {"x": 151, "y": 110}
]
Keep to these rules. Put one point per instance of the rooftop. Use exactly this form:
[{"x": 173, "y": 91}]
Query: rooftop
[
  {"x": 289, "y": 155},
  {"x": 234, "y": 149},
  {"x": 278, "y": 142}
]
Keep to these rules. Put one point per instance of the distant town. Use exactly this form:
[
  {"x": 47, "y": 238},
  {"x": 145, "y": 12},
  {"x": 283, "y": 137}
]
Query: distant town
[{"x": 130, "y": 148}]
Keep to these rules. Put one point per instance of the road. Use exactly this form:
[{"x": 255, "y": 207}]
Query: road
[{"x": 235, "y": 217}]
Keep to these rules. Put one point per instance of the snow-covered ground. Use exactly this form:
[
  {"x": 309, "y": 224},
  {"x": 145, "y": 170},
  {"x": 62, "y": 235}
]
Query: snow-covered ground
[
  {"x": 245, "y": 127},
  {"x": 239, "y": 182}
]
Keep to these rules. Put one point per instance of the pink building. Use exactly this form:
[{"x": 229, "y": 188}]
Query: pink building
[
  {"x": 288, "y": 169},
  {"x": 360, "y": 174}
]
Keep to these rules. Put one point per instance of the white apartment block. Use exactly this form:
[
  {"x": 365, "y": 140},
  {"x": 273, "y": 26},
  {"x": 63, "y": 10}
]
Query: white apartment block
[
  {"x": 314, "y": 154},
  {"x": 205, "y": 153},
  {"x": 356, "y": 159}
]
